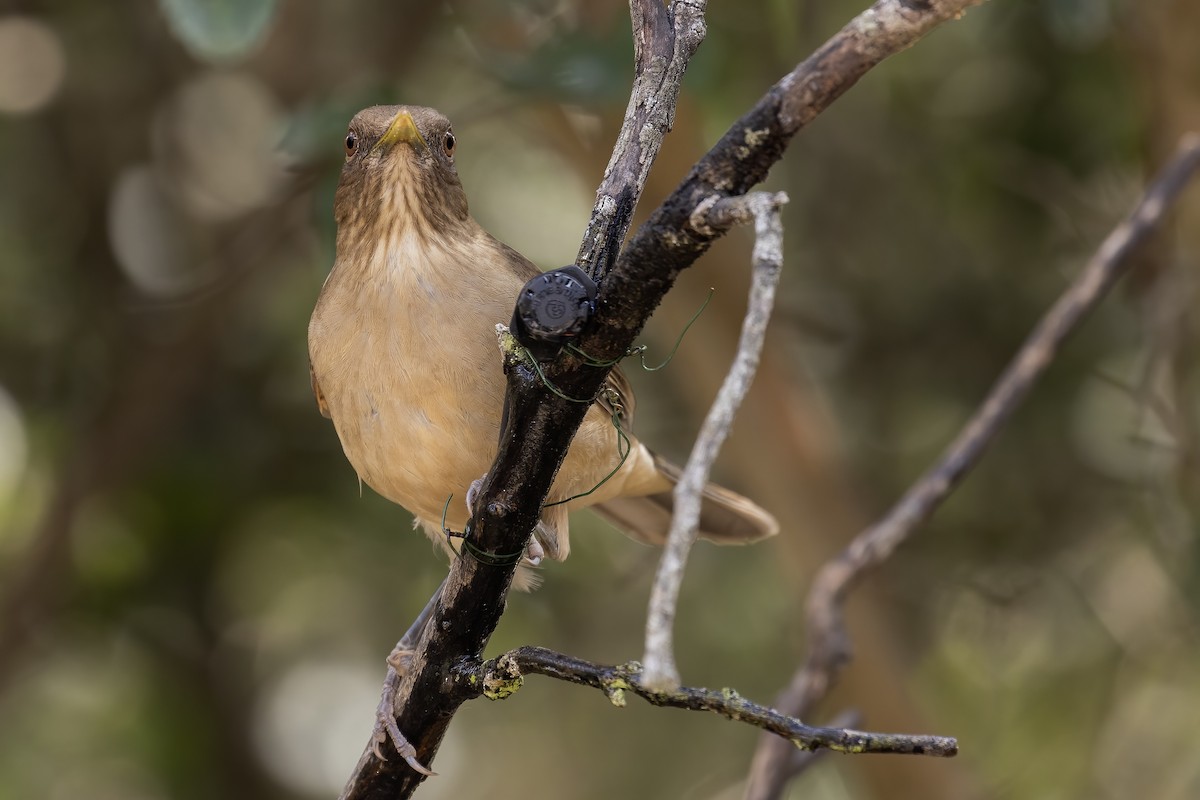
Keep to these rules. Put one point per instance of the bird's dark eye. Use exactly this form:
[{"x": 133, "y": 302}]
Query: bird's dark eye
[
  {"x": 448, "y": 143},
  {"x": 351, "y": 143}
]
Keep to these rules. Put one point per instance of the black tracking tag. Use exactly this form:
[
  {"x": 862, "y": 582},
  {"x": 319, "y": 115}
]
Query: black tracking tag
[{"x": 553, "y": 308}]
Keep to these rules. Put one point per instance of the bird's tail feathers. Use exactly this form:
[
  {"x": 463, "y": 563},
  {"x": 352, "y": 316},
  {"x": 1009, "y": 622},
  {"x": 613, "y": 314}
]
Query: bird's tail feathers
[{"x": 726, "y": 517}]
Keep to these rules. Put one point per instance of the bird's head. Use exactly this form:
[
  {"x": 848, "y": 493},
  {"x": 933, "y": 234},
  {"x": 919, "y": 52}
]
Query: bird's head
[{"x": 399, "y": 175}]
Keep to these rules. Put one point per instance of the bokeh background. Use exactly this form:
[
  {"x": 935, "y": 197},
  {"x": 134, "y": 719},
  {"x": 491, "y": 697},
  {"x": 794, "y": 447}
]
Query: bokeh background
[{"x": 196, "y": 598}]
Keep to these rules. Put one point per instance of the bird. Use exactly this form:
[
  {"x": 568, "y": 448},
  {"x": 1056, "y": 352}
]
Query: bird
[{"x": 404, "y": 360}]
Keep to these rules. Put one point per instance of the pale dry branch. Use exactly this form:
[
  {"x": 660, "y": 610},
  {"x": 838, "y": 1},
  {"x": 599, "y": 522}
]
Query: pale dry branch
[{"x": 767, "y": 261}]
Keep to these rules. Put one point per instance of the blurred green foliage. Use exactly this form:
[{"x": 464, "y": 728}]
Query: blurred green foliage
[
  {"x": 197, "y": 595},
  {"x": 219, "y": 30}
]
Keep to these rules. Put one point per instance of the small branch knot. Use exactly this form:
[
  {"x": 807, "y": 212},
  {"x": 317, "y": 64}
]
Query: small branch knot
[
  {"x": 698, "y": 220},
  {"x": 503, "y": 678},
  {"x": 716, "y": 213}
]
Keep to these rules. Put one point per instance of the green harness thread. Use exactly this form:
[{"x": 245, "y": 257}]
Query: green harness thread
[
  {"x": 623, "y": 448},
  {"x": 624, "y": 445},
  {"x": 474, "y": 551},
  {"x": 641, "y": 349}
]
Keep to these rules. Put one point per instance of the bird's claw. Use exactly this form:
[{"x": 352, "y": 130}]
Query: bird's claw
[
  {"x": 473, "y": 492},
  {"x": 534, "y": 552},
  {"x": 400, "y": 659},
  {"x": 386, "y": 728}
]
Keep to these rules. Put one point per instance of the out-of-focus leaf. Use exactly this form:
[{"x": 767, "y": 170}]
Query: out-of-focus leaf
[
  {"x": 580, "y": 68},
  {"x": 219, "y": 30}
]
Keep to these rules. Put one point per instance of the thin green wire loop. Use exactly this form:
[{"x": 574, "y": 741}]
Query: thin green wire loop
[
  {"x": 473, "y": 550},
  {"x": 624, "y": 446},
  {"x": 595, "y": 362},
  {"x": 491, "y": 559},
  {"x": 449, "y": 533},
  {"x": 546, "y": 381},
  {"x": 641, "y": 349}
]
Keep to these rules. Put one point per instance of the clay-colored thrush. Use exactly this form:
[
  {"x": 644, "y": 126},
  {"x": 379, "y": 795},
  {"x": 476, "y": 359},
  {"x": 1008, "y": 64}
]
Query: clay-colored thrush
[{"x": 404, "y": 358}]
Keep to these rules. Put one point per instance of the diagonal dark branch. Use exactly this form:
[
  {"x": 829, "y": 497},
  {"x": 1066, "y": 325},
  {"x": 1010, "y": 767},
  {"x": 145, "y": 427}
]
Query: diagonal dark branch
[
  {"x": 541, "y": 423},
  {"x": 500, "y": 677},
  {"x": 828, "y": 641}
]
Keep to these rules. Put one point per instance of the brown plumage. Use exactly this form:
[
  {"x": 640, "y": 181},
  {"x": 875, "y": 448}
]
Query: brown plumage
[{"x": 404, "y": 357}]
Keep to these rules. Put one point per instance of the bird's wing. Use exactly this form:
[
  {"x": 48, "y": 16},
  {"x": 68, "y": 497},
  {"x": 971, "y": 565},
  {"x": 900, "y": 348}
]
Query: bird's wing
[
  {"x": 316, "y": 387},
  {"x": 522, "y": 266}
]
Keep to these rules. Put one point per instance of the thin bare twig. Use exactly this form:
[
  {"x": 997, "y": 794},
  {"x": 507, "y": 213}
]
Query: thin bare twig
[
  {"x": 500, "y": 677},
  {"x": 764, "y": 209},
  {"x": 664, "y": 41},
  {"x": 828, "y": 640},
  {"x": 803, "y": 760}
]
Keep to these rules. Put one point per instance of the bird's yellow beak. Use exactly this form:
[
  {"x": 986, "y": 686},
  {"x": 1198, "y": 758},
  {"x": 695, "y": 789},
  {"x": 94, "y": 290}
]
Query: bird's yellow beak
[{"x": 402, "y": 129}]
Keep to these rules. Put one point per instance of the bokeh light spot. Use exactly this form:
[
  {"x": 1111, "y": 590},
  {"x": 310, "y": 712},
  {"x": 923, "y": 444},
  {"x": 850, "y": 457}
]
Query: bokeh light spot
[
  {"x": 314, "y": 721},
  {"x": 147, "y": 235},
  {"x": 14, "y": 446},
  {"x": 32, "y": 65},
  {"x": 219, "y": 142}
]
